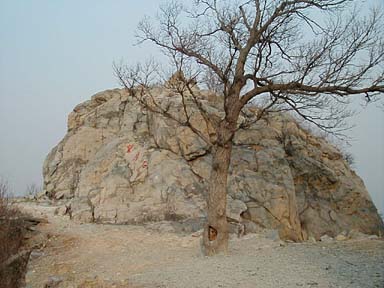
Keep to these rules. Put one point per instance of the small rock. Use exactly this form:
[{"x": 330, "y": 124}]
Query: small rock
[
  {"x": 29, "y": 197},
  {"x": 41, "y": 195},
  {"x": 341, "y": 237},
  {"x": 197, "y": 233},
  {"x": 357, "y": 235},
  {"x": 373, "y": 237},
  {"x": 36, "y": 254},
  {"x": 333, "y": 215},
  {"x": 325, "y": 238},
  {"x": 311, "y": 239},
  {"x": 53, "y": 281},
  {"x": 61, "y": 211}
]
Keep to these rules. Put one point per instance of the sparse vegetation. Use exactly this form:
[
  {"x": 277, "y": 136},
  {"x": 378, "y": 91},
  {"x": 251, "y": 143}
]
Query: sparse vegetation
[
  {"x": 348, "y": 156},
  {"x": 32, "y": 190},
  {"x": 12, "y": 263}
]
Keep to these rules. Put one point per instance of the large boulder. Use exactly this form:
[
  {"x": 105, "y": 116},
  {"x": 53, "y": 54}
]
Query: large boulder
[{"x": 120, "y": 163}]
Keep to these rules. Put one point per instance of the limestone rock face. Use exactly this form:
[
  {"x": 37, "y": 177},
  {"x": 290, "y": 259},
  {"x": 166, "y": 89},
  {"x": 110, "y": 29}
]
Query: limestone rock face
[{"x": 120, "y": 163}]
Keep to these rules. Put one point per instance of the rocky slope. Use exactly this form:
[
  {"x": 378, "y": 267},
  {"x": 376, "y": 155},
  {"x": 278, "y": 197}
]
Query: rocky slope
[{"x": 121, "y": 164}]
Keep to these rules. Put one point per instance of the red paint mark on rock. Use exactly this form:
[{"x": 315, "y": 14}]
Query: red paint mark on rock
[
  {"x": 129, "y": 148},
  {"x": 136, "y": 156}
]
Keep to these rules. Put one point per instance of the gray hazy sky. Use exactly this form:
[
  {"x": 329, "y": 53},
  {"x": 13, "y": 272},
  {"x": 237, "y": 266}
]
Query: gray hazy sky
[{"x": 56, "y": 54}]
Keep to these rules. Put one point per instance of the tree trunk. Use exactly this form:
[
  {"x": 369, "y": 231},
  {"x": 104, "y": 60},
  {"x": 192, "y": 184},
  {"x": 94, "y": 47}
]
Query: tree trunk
[{"x": 215, "y": 237}]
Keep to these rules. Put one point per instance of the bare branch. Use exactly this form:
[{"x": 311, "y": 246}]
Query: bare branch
[{"x": 253, "y": 48}]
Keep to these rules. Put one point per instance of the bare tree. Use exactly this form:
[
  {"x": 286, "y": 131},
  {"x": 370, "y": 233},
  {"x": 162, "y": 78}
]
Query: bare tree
[
  {"x": 306, "y": 56},
  {"x": 32, "y": 190},
  {"x": 4, "y": 189}
]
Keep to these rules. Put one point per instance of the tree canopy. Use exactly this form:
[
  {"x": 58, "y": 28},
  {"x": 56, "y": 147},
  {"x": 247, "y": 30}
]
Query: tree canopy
[{"x": 306, "y": 56}]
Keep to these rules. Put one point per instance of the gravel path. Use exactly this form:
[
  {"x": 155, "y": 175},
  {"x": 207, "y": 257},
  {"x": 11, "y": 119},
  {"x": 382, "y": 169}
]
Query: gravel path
[
  {"x": 359, "y": 264},
  {"x": 90, "y": 255}
]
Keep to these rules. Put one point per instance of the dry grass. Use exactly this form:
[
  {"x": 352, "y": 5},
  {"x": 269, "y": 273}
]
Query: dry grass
[{"x": 12, "y": 262}]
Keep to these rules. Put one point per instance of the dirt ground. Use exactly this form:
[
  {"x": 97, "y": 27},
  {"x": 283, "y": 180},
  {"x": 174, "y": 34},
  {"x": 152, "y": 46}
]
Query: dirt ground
[{"x": 95, "y": 255}]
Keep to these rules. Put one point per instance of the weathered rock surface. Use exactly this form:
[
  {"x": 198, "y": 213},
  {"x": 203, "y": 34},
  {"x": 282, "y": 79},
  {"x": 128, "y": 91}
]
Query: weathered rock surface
[{"x": 119, "y": 163}]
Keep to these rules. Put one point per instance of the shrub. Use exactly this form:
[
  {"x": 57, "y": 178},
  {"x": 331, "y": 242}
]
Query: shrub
[
  {"x": 12, "y": 261},
  {"x": 348, "y": 156},
  {"x": 32, "y": 190}
]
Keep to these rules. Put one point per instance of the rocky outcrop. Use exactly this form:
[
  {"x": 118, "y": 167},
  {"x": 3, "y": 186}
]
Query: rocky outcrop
[{"x": 119, "y": 163}]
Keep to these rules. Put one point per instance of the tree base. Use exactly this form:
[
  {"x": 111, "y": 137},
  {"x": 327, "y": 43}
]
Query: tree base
[{"x": 215, "y": 241}]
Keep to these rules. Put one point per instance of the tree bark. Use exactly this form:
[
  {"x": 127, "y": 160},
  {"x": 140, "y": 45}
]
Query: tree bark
[{"x": 215, "y": 237}]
